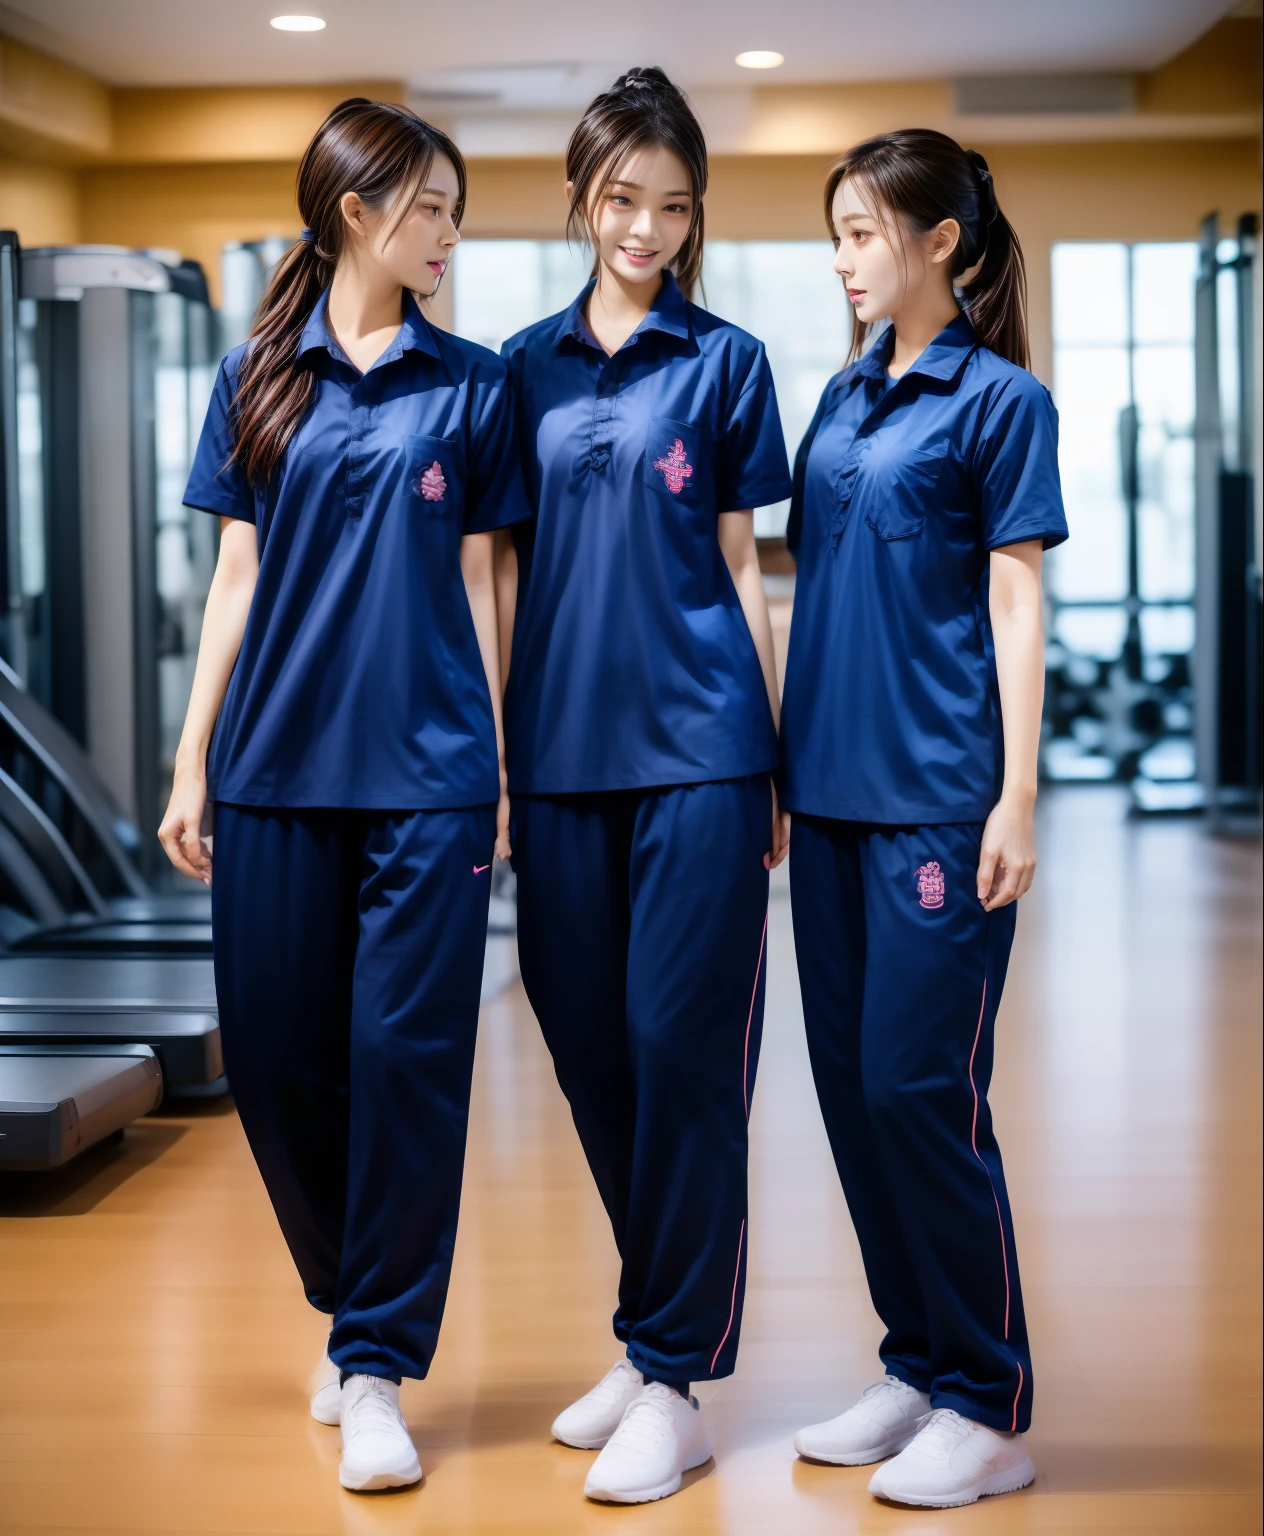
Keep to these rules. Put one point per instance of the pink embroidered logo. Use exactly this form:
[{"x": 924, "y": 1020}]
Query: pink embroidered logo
[
  {"x": 432, "y": 486},
  {"x": 930, "y": 885},
  {"x": 675, "y": 467}
]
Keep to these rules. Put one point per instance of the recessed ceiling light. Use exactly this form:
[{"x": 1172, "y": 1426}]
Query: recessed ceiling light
[
  {"x": 298, "y": 23},
  {"x": 760, "y": 58}
]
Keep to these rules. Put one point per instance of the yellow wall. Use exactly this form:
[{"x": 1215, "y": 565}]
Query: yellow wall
[
  {"x": 42, "y": 202},
  {"x": 194, "y": 209},
  {"x": 1120, "y": 191},
  {"x": 49, "y": 109},
  {"x": 1115, "y": 192},
  {"x": 249, "y": 123},
  {"x": 191, "y": 169},
  {"x": 1051, "y": 192}
]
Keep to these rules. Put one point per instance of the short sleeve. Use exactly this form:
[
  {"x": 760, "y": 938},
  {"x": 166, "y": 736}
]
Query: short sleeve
[
  {"x": 216, "y": 483},
  {"x": 494, "y": 494},
  {"x": 1016, "y": 467},
  {"x": 753, "y": 470}
]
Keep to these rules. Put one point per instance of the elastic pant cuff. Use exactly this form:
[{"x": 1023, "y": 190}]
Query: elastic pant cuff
[
  {"x": 910, "y": 1378},
  {"x": 687, "y": 1368},
  {"x": 366, "y": 1370},
  {"x": 1003, "y": 1421}
]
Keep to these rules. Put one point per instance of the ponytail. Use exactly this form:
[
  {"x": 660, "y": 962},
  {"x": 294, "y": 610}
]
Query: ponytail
[
  {"x": 641, "y": 110},
  {"x": 920, "y": 178},
  {"x": 273, "y": 395},
  {"x": 996, "y": 297},
  {"x": 382, "y": 152}
]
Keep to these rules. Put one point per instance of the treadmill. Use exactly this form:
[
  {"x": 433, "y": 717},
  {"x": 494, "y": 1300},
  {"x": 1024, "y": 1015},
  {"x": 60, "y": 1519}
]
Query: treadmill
[
  {"x": 55, "y": 807},
  {"x": 107, "y": 991},
  {"x": 57, "y": 1101},
  {"x": 48, "y": 904},
  {"x": 166, "y": 1004},
  {"x": 48, "y": 768},
  {"x": 75, "y": 970}
]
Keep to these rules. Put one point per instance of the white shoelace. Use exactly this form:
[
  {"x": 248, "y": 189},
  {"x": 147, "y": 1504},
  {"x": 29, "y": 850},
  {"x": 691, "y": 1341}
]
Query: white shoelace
[
  {"x": 942, "y": 1429},
  {"x": 369, "y": 1406},
  {"x": 647, "y": 1421},
  {"x": 888, "y": 1384},
  {"x": 613, "y": 1384}
]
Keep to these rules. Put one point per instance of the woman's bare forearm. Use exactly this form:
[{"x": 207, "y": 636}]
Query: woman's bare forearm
[
  {"x": 741, "y": 555},
  {"x": 506, "y": 564},
  {"x": 1018, "y": 636},
  {"x": 223, "y": 625},
  {"x": 478, "y": 569}
]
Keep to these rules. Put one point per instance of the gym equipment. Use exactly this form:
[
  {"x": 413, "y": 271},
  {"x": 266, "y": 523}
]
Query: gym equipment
[
  {"x": 108, "y": 358},
  {"x": 166, "y": 1004},
  {"x": 57, "y": 1101}
]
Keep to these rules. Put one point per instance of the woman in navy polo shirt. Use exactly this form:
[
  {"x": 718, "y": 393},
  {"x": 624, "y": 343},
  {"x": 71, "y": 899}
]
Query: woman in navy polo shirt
[
  {"x": 359, "y": 461},
  {"x": 641, "y": 731},
  {"x": 925, "y": 491}
]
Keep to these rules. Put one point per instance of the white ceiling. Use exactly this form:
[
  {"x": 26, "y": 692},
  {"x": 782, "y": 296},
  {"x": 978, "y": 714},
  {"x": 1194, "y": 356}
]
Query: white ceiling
[{"x": 531, "y": 54}]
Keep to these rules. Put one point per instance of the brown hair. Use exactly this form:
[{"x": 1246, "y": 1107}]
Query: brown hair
[
  {"x": 920, "y": 178},
  {"x": 641, "y": 110},
  {"x": 384, "y": 153}
]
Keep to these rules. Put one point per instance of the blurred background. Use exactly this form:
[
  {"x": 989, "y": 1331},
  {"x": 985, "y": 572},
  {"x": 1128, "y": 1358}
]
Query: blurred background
[
  {"x": 1125, "y": 144},
  {"x": 148, "y": 151}
]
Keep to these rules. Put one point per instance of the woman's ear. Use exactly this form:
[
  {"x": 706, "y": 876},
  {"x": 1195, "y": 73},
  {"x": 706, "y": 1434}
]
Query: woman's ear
[
  {"x": 353, "y": 211},
  {"x": 943, "y": 240}
]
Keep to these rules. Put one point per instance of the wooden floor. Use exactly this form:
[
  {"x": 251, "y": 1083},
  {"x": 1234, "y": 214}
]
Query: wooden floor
[{"x": 154, "y": 1345}]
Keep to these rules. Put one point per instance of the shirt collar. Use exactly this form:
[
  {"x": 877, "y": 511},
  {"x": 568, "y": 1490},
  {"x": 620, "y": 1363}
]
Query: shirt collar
[
  {"x": 943, "y": 359},
  {"x": 413, "y": 335},
  {"x": 669, "y": 312}
]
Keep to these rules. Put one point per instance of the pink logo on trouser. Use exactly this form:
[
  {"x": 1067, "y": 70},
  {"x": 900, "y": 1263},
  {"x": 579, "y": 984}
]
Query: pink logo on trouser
[
  {"x": 930, "y": 885},
  {"x": 675, "y": 467}
]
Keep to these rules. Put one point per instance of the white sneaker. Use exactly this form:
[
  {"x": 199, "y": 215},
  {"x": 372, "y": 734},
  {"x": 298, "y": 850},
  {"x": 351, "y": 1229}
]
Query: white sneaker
[
  {"x": 589, "y": 1423},
  {"x": 377, "y": 1451},
  {"x": 952, "y": 1461},
  {"x": 660, "y": 1436},
  {"x": 883, "y": 1422},
  {"x": 326, "y": 1391}
]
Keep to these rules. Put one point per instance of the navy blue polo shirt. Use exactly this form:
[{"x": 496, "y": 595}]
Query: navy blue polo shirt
[
  {"x": 633, "y": 664},
  {"x": 891, "y": 711},
  {"x": 359, "y": 682}
]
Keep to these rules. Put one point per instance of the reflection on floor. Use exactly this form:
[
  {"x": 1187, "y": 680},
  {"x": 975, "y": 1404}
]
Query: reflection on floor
[{"x": 154, "y": 1346}]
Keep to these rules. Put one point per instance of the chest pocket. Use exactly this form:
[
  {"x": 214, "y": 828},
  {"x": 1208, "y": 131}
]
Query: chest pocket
[
  {"x": 436, "y": 477},
  {"x": 678, "y": 462},
  {"x": 902, "y": 487}
]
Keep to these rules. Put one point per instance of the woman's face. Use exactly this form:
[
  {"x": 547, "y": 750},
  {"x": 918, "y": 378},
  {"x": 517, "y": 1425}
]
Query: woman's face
[
  {"x": 639, "y": 222},
  {"x": 416, "y": 250},
  {"x": 881, "y": 279}
]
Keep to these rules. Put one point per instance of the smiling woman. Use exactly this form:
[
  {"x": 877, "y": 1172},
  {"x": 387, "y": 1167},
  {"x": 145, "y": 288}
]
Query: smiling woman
[{"x": 641, "y": 731}]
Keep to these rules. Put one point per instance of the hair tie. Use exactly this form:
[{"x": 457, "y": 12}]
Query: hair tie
[
  {"x": 643, "y": 78},
  {"x": 987, "y": 187},
  {"x": 308, "y": 236}
]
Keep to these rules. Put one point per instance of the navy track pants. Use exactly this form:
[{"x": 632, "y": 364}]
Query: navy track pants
[
  {"x": 641, "y": 928},
  {"x": 348, "y": 964},
  {"x": 901, "y": 972}
]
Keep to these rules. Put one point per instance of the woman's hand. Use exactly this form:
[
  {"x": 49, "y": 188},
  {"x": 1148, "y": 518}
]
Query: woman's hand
[
  {"x": 1007, "y": 860},
  {"x": 223, "y": 625},
  {"x": 780, "y": 834},
  {"x": 181, "y": 831},
  {"x": 503, "y": 850}
]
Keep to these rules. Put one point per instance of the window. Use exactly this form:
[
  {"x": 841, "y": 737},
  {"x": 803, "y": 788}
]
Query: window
[
  {"x": 784, "y": 292},
  {"x": 1121, "y": 590}
]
